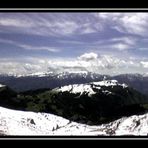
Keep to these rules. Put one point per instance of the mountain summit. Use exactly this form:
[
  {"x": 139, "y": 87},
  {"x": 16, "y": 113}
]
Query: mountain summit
[
  {"x": 91, "y": 88},
  {"x": 98, "y": 101}
]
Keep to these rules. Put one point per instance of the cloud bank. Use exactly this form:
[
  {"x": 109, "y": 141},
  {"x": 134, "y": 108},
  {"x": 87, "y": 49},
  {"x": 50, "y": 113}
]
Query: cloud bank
[{"x": 90, "y": 62}]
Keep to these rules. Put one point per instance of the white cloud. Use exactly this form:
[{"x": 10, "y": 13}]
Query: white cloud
[
  {"x": 50, "y": 24},
  {"x": 14, "y": 22},
  {"x": 133, "y": 23},
  {"x": 38, "y": 25},
  {"x": 120, "y": 46},
  {"x": 64, "y": 27},
  {"x": 91, "y": 27},
  {"x": 47, "y": 24},
  {"x": 144, "y": 64},
  {"x": 30, "y": 47},
  {"x": 88, "y": 56},
  {"x": 102, "y": 64},
  {"x": 126, "y": 40},
  {"x": 88, "y": 30},
  {"x": 20, "y": 67}
]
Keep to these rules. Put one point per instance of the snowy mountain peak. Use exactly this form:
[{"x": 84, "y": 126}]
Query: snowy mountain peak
[{"x": 89, "y": 87}]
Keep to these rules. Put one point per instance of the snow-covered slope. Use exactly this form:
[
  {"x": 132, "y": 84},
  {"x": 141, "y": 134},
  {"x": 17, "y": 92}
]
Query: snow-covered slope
[
  {"x": 77, "y": 88},
  {"x": 14, "y": 122},
  {"x": 28, "y": 123},
  {"x": 88, "y": 87}
]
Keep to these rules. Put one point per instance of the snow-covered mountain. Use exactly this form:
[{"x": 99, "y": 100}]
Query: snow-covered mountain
[
  {"x": 88, "y": 87},
  {"x": 88, "y": 103},
  {"x": 14, "y": 122}
]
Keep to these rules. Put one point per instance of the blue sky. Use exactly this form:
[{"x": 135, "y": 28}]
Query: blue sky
[{"x": 109, "y": 43}]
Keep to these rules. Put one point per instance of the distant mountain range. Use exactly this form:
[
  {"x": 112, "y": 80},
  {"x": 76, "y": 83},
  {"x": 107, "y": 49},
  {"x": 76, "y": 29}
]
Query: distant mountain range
[{"x": 48, "y": 80}]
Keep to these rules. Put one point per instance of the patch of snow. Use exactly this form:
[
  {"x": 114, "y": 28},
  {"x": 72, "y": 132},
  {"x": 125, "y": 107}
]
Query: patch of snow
[
  {"x": 77, "y": 88},
  {"x": 36, "y": 74},
  {"x": 106, "y": 83},
  {"x": 109, "y": 83},
  {"x": 78, "y": 72},
  {"x": 2, "y": 85},
  {"x": 40, "y": 74},
  {"x": 124, "y": 85}
]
